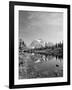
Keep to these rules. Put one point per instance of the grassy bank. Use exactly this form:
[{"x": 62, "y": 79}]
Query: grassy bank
[{"x": 49, "y": 51}]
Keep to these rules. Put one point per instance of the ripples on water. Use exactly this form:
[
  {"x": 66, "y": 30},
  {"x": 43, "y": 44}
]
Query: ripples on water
[{"x": 39, "y": 66}]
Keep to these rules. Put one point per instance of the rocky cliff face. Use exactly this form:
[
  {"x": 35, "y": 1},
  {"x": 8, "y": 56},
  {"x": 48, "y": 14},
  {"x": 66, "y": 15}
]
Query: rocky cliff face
[
  {"x": 36, "y": 44},
  {"x": 39, "y": 43}
]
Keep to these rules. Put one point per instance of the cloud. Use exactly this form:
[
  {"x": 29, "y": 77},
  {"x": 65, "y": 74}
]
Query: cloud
[{"x": 45, "y": 25}]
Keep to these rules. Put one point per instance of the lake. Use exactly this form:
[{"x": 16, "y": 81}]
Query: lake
[{"x": 33, "y": 65}]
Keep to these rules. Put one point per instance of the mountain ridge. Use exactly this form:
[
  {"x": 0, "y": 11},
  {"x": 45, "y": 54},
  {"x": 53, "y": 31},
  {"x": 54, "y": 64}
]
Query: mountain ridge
[{"x": 39, "y": 43}]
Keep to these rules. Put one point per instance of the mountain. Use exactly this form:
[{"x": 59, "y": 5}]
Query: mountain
[
  {"x": 48, "y": 44},
  {"x": 39, "y": 43}
]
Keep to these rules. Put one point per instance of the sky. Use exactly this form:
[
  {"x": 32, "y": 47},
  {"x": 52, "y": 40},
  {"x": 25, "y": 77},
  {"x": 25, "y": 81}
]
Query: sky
[{"x": 34, "y": 25}]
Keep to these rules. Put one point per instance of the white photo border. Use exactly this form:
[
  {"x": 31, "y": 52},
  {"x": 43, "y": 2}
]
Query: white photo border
[{"x": 18, "y": 81}]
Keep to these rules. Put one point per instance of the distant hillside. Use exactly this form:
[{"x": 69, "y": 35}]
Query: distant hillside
[{"x": 48, "y": 44}]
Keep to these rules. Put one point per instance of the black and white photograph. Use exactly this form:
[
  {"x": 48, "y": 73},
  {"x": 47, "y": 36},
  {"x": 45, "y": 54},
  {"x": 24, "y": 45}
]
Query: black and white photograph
[{"x": 39, "y": 44}]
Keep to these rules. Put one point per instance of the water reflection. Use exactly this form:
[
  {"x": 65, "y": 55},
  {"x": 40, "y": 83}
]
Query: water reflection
[{"x": 33, "y": 65}]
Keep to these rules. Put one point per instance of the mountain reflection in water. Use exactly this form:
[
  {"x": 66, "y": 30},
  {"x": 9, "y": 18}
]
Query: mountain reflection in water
[{"x": 33, "y": 65}]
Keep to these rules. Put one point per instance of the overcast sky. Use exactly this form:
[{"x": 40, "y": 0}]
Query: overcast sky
[{"x": 40, "y": 25}]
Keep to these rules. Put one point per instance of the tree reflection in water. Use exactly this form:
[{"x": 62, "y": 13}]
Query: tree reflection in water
[{"x": 33, "y": 65}]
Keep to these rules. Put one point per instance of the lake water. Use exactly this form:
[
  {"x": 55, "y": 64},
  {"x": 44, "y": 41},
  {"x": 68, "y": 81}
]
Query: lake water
[{"x": 33, "y": 65}]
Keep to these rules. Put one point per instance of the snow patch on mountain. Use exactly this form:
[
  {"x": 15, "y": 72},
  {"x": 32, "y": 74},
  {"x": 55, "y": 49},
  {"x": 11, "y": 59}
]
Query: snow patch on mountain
[{"x": 39, "y": 43}]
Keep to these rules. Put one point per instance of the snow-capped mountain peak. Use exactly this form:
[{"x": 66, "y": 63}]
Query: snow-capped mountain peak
[{"x": 39, "y": 43}]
